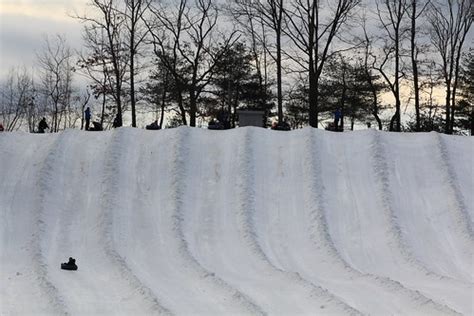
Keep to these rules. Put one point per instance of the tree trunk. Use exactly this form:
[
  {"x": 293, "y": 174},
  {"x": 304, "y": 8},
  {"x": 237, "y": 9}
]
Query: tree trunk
[
  {"x": 132, "y": 82},
  {"x": 472, "y": 121},
  {"x": 279, "y": 87},
  {"x": 192, "y": 108},
  {"x": 313, "y": 96},
  {"x": 414, "y": 63},
  {"x": 447, "y": 129},
  {"x": 397, "y": 82}
]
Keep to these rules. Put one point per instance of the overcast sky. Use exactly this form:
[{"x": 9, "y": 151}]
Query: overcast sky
[{"x": 25, "y": 23}]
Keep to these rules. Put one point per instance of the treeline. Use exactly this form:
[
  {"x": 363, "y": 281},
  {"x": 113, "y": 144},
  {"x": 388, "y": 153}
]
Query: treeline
[{"x": 296, "y": 60}]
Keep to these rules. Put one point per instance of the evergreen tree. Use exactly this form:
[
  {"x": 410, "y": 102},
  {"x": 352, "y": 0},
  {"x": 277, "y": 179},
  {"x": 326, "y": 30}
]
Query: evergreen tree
[
  {"x": 349, "y": 87},
  {"x": 237, "y": 84}
]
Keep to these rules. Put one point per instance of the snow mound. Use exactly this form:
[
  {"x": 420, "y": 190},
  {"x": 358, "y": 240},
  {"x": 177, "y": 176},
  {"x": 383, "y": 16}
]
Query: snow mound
[{"x": 246, "y": 221}]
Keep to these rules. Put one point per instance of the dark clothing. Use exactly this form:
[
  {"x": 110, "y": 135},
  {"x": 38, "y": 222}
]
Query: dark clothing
[
  {"x": 224, "y": 120},
  {"x": 116, "y": 122},
  {"x": 1, "y": 128},
  {"x": 70, "y": 265},
  {"x": 42, "y": 126},
  {"x": 87, "y": 115},
  {"x": 337, "y": 118},
  {"x": 153, "y": 126},
  {"x": 213, "y": 124},
  {"x": 97, "y": 127},
  {"x": 283, "y": 126}
]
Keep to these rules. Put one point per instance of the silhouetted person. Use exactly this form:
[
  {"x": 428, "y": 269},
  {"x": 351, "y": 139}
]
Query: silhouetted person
[
  {"x": 116, "y": 123},
  {"x": 337, "y": 118},
  {"x": 70, "y": 265},
  {"x": 87, "y": 116},
  {"x": 42, "y": 126}
]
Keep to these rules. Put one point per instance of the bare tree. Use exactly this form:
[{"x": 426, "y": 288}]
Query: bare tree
[
  {"x": 368, "y": 65},
  {"x": 416, "y": 9},
  {"x": 391, "y": 14},
  {"x": 56, "y": 70},
  {"x": 134, "y": 14},
  {"x": 17, "y": 96},
  {"x": 109, "y": 23},
  {"x": 95, "y": 65},
  {"x": 450, "y": 23},
  {"x": 186, "y": 38},
  {"x": 244, "y": 13},
  {"x": 313, "y": 29},
  {"x": 264, "y": 20}
]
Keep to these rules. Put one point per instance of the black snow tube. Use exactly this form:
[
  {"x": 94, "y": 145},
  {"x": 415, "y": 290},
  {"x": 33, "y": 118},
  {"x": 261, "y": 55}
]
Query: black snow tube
[
  {"x": 71, "y": 265},
  {"x": 66, "y": 266}
]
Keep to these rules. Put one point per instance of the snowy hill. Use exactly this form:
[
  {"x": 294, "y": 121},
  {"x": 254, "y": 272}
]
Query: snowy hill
[{"x": 246, "y": 221}]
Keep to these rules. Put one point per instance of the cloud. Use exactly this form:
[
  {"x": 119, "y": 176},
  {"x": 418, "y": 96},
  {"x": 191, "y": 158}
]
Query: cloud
[
  {"x": 51, "y": 9},
  {"x": 22, "y": 36}
]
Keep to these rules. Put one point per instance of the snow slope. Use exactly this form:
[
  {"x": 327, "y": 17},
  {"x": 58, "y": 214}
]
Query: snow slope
[{"x": 246, "y": 221}]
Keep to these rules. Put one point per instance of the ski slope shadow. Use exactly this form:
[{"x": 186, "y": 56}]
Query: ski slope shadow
[
  {"x": 75, "y": 222},
  {"x": 40, "y": 233},
  {"x": 221, "y": 232},
  {"x": 395, "y": 189},
  {"x": 154, "y": 219},
  {"x": 460, "y": 209},
  {"x": 458, "y": 153},
  {"x": 293, "y": 226},
  {"x": 25, "y": 286}
]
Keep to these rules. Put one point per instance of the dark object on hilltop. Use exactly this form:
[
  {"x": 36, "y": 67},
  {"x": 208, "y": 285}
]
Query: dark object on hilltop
[
  {"x": 42, "y": 126},
  {"x": 96, "y": 127},
  {"x": 224, "y": 119},
  {"x": 153, "y": 126},
  {"x": 214, "y": 124},
  {"x": 116, "y": 123},
  {"x": 335, "y": 126},
  {"x": 332, "y": 127},
  {"x": 70, "y": 265},
  {"x": 222, "y": 122},
  {"x": 283, "y": 126}
]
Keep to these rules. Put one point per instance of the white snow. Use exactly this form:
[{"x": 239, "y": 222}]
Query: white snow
[{"x": 241, "y": 222}]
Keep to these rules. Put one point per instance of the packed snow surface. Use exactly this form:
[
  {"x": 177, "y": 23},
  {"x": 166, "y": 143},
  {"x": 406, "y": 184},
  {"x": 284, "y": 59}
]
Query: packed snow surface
[{"x": 248, "y": 221}]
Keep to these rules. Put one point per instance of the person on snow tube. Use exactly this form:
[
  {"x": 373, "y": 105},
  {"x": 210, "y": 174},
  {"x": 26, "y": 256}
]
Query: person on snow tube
[{"x": 70, "y": 265}]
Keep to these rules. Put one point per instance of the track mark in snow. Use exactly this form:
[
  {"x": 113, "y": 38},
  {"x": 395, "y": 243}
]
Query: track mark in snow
[
  {"x": 381, "y": 168},
  {"x": 111, "y": 184},
  {"x": 323, "y": 241},
  {"x": 460, "y": 213},
  {"x": 178, "y": 170},
  {"x": 246, "y": 193},
  {"x": 39, "y": 261},
  {"x": 394, "y": 232}
]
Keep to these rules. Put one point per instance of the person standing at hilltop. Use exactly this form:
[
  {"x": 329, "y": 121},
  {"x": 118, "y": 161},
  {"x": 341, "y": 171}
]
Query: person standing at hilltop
[
  {"x": 337, "y": 118},
  {"x": 87, "y": 116}
]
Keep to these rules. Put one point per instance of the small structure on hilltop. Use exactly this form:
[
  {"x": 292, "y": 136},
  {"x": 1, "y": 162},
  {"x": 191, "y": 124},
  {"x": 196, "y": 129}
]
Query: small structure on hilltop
[{"x": 251, "y": 118}]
